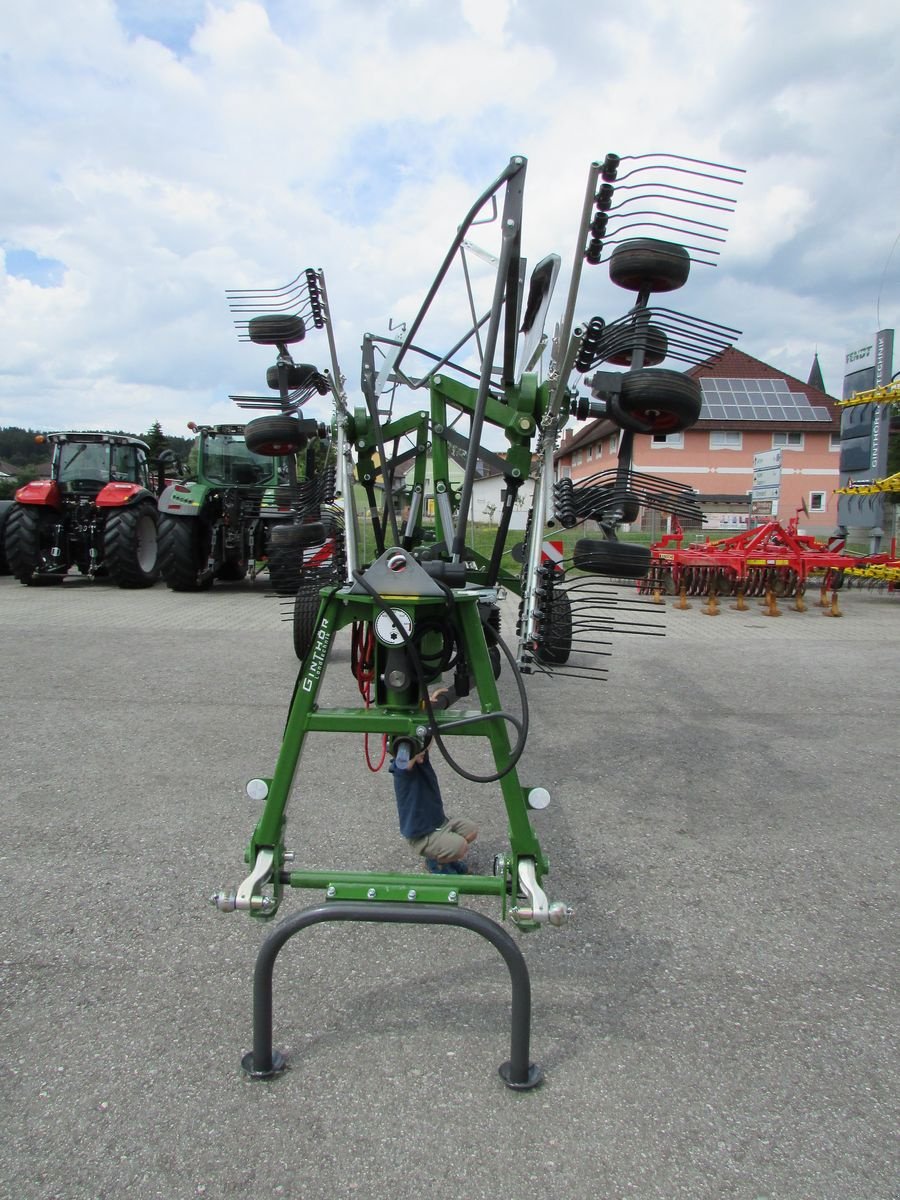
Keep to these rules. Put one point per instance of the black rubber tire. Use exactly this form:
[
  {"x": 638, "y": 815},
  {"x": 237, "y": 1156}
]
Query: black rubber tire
[
  {"x": 285, "y": 567},
  {"x": 5, "y": 510},
  {"x": 310, "y": 533},
  {"x": 655, "y": 400},
  {"x": 621, "y": 343},
  {"x": 649, "y": 265},
  {"x": 298, "y": 375},
  {"x": 623, "y": 560},
  {"x": 494, "y": 652},
  {"x": 599, "y": 500},
  {"x": 184, "y": 553},
  {"x": 274, "y": 436},
  {"x": 306, "y": 608},
  {"x": 130, "y": 545},
  {"x": 555, "y": 646},
  {"x": 27, "y": 539},
  {"x": 276, "y": 329}
]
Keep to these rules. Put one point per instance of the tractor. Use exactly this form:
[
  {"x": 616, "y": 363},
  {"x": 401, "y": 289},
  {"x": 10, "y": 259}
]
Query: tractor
[
  {"x": 96, "y": 512},
  {"x": 239, "y": 513}
]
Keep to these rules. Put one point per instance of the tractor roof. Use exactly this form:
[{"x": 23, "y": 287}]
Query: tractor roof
[{"x": 118, "y": 439}]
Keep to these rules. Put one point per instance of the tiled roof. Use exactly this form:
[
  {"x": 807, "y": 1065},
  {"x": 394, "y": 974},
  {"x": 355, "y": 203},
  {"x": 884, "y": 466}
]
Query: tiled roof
[
  {"x": 735, "y": 364},
  {"x": 728, "y": 364}
]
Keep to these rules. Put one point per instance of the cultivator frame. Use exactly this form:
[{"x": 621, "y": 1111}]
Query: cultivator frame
[
  {"x": 425, "y": 605},
  {"x": 770, "y": 558}
]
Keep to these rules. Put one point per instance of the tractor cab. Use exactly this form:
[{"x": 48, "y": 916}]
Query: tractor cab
[
  {"x": 84, "y": 463},
  {"x": 221, "y": 457}
]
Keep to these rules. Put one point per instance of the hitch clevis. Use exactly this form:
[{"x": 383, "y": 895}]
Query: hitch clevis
[
  {"x": 248, "y": 897},
  {"x": 533, "y": 905}
]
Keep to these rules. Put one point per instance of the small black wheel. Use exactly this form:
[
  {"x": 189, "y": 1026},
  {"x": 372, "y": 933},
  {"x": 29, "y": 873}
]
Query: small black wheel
[
  {"x": 285, "y": 566},
  {"x": 555, "y": 633},
  {"x": 275, "y": 435},
  {"x": 306, "y": 609},
  {"x": 492, "y": 635},
  {"x": 310, "y": 533},
  {"x": 598, "y": 501},
  {"x": 296, "y": 375},
  {"x": 29, "y": 541},
  {"x": 656, "y": 401},
  {"x": 649, "y": 265},
  {"x": 619, "y": 345},
  {"x": 276, "y": 329},
  {"x": 130, "y": 545},
  {"x": 623, "y": 560}
]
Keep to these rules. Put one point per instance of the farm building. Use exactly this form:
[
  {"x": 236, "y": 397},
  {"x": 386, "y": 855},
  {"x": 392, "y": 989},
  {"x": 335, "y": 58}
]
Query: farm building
[{"x": 748, "y": 407}]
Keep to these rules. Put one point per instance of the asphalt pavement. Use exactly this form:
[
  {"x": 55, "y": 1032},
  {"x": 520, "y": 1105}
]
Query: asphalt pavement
[{"x": 718, "y": 1020}]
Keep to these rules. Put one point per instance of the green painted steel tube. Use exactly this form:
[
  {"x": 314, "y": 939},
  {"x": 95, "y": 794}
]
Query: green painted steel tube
[{"x": 469, "y": 885}]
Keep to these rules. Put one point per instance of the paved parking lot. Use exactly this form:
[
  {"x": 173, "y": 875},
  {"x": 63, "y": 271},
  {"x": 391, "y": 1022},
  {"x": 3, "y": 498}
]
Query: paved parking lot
[{"x": 719, "y": 1020}]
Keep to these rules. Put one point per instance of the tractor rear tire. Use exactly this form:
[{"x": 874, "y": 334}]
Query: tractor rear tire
[
  {"x": 184, "y": 553},
  {"x": 4, "y": 517},
  {"x": 306, "y": 609},
  {"x": 656, "y": 401},
  {"x": 27, "y": 538},
  {"x": 556, "y": 632},
  {"x": 623, "y": 560},
  {"x": 274, "y": 436},
  {"x": 130, "y": 545},
  {"x": 649, "y": 265}
]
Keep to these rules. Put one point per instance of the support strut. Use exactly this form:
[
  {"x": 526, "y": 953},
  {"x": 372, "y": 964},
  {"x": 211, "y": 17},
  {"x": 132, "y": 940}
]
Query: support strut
[{"x": 517, "y": 1073}]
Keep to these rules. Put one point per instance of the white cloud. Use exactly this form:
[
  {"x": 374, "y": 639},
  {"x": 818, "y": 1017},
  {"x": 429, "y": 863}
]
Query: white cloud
[{"x": 164, "y": 154}]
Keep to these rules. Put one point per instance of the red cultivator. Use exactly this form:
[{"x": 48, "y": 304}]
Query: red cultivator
[{"x": 755, "y": 562}]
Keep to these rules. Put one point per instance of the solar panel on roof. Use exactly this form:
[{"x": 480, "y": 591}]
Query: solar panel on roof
[{"x": 757, "y": 399}]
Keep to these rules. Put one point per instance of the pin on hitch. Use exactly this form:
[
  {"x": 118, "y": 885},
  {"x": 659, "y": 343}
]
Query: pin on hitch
[
  {"x": 249, "y": 897},
  {"x": 533, "y": 907}
]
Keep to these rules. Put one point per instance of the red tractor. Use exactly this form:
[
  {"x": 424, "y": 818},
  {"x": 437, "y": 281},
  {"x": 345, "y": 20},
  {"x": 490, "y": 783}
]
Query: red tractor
[{"x": 96, "y": 512}]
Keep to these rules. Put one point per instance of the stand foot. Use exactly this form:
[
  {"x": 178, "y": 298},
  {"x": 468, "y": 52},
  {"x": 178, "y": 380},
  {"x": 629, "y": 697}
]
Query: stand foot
[
  {"x": 533, "y": 1079},
  {"x": 279, "y": 1064}
]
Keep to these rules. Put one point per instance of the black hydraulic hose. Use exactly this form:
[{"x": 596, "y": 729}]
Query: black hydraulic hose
[{"x": 521, "y": 726}]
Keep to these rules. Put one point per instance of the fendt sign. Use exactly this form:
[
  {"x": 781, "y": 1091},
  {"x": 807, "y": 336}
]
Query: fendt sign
[{"x": 864, "y": 431}]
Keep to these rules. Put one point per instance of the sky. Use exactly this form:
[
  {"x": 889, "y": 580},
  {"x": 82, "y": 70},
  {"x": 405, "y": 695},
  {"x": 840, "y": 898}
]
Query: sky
[{"x": 159, "y": 152}]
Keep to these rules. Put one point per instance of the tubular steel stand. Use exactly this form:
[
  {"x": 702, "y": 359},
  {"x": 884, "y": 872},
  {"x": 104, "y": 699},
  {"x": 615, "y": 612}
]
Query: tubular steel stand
[{"x": 518, "y": 1073}]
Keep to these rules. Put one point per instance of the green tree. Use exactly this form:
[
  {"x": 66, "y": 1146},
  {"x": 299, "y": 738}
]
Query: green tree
[{"x": 156, "y": 440}]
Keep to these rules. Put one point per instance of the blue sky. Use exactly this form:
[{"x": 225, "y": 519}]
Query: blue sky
[{"x": 157, "y": 153}]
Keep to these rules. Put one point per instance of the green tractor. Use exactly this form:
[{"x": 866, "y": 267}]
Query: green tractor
[{"x": 238, "y": 513}]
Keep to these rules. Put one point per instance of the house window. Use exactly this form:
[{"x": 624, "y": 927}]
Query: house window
[
  {"x": 576, "y": 461},
  {"x": 672, "y": 440},
  {"x": 787, "y": 440},
  {"x": 816, "y": 502},
  {"x": 565, "y": 472},
  {"x": 613, "y": 443},
  {"x": 590, "y": 453},
  {"x": 725, "y": 439},
  {"x": 834, "y": 441}
]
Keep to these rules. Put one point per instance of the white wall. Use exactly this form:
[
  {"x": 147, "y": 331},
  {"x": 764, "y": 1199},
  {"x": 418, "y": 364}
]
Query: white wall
[{"x": 487, "y": 491}]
